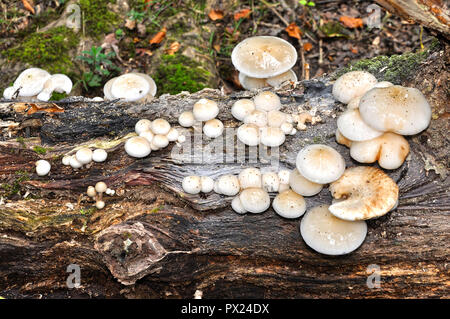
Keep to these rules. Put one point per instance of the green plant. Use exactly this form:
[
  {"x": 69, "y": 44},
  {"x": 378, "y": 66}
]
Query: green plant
[
  {"x": 40, "y": 150},
  {"x": 100, "y": 67},
  {"x": 136, "y": 15},
  {"x": 307, "y": 3},
  {"x": 119, "y": 33}
]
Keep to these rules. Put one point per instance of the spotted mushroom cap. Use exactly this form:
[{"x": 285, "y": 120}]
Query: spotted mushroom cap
[
  {"x": 129, "y": 87},
  {"x": 352, "y": 84},
  {"x": 263, "y": 56},
  {"x": 31, "y": 81},
  {"x": 289, "y": 204}
]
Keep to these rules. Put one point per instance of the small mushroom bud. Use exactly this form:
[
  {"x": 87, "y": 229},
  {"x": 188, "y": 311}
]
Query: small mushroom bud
[
  {"x": 142, "y": 125},
  {"x": 148, "y": 135},
  {"x": 207, "y": 184},
  {"x": 99, "y": 204},
  {"x": 186, "y": 119},
  {"x": 160, "y": 127},
  {"x": 84, "y": 155},
  {"x": 99, "y": 155},
  {"x": 100, "y": 187},
  {"x": 236, "y": 204},
  {"x": 91, "y": 191},
  {"x": 192, "y": 184},
  {"x": 74, "y": 163},
  {"x": 66, "y": 160},
  {"x": 213, "y": 128},
  {"x": 160, "y": 141},
  {"x": 42, "y": 167},
  {"x": 173, "y": 135}
]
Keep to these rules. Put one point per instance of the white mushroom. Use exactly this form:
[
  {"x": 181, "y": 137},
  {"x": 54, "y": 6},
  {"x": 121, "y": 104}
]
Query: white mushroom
[
  {"x": 256, "y": 117},
  {"x": 99, "y": 204},
  {"x": 284, "y": 176},
  {"x": 107, "y": 89},
  {"x": 228, "y": 185},
  {"x": 160, "y": 126},
  {"x": 186, "y": 119},
  {"x": 100, "y": 187},
  {"x": 267, "y": 101},
  {"x": 353, "y": 84},
  {"x": 205, "y": 110},
  {"x": 207, "y": 184},
  {"x": 43, "y": 167},
  {"x": 99, "y": 155},
  {"x": 159, "y": 141},
  {"x": 57, "y": 82},
  {"x": 263, "y": 56},
  {"x": 9, "y": 92},
  {"x": 84, "y": 155},
  {"x": 129, "y": 87},
  {"x": 303, "y": 186},
  {"x": 91, "y": 191},
  {"x": 329, "y": 235},
  {"x": 254, "y": 200},
  {"x": 289, "y": 204},
  {"x": 320, "y": 163},
  {"x": 250, "y": 177},
  {"x": 241, "y": 108},
  {"x": 172, "y": 135},
  {"x": 213, "y": 128},
  {"x": 251, "y": 83},
  {"x": 272, "y": 136},
  {"x": 352, "y": 126},
  {"x": 148, "y": 135},
  {"x": 31, "y": 81},
  {"x": 151, "y": 83},
  {"x": 248, "y": 134},
  {"x": 142, "y": 126},
  {"x": 277, "y": 118},
  {"x": 270, "y": 182},
  {"x": 66, "y": 160},
  {"x": 236, "y": 204},
  {"x": 277, "y": 81},
  {"x": 137, "y": 147},
  {"x": 74, "y": 163},
  {"x": 192, "y": 184}
]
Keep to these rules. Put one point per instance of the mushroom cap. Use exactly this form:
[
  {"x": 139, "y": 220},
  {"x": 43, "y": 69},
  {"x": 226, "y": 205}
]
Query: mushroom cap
[
  {"x": 248, "y": 134},
  {"x": 213, "y": 128},
  {"x": 255, "y": 200},
  {"x": 205, "y": 110},
  {"x": 60, "y": 83},
  {"x": 173, "y": 135},
  {"x": 366, "y": 192},
  {"x": 383, "y": 84},
  {"x": 42, "y": 167},
  {"x": 284, "y": 176},
  {"x": 99, "y": 155},
  {"x": 329, "y": 235},
  {"x": 352, "y": 126},
  {"x": 320, "y": 163},
  {"x": 341, "y": 139},
  {"x": 390, "y": 150},
  {"x": 159, "y": 141},
  {"x": 256, "y": 117},
  {"x": 148, "y": 135},
  {"x": 228, "y": 185},
  {"x": 251, "y": 83},
  {"x": 107, "y": 89},
  {"x": 272, "y": 136},
  {"x": 289, "y": 204},
  {"x": 263, "y": 56},
  {"x": 276, "y": 118},
  {"x": 288, "y": 128},
  {"x": 150, "y": 81},
  {"x": 99, "y": 204},
  {"x": 279, "y": 80},
  {"x": 303, "y": 186},
  {"x": 241, "y": 108},
  {"x": 270, "y": 182},
  {"x": 31, "y": 81},
  {"x": 236, "y": 204},
  {"x": 137, "y": 147},
  {"x": 192, "y": 184},
  {"x": 91, "y": 191},
  {"x": 84, "y": 155},
  {"x": 354, "y": 103},
  {"x": 160, "y": 126},
  {"x": 74, "y": 163},
  {"x": 9, "y": 92},
  {"x": 186, "y": 119},
  {"x": 207, "y": 184},
  {"x": 129, "y": 87},
  {"x": 66, "y": 160},
  {"x": 283, "y": 187},
  {"x": 397, "y": 109},
  {"x": 267, "y": 101},
  {"x": 142, "y": 126},
  {"x": 100, "y": 187},
  {"x": 352, "y": 84},
  {"x": 250, "y": 177}
]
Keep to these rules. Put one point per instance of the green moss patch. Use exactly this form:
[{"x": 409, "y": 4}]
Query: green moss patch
[
  {"x": 47, "y": 50},
  {"x": 98, "y": 18},
  {"x": 177, "y": 73}
]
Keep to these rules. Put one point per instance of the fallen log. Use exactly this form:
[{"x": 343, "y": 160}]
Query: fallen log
[{"x": 154, "y": 241}]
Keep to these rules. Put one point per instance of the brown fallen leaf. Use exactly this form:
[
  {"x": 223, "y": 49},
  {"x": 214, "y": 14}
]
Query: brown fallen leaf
[
  {"x": 242, "y": 14},
  {"x": 159, "y": 36},
  {"x": 53, "y": 108},
  {"x": 142, "y": 51},
  {"x": 307, "y": 46},
  {"x": 293, "y": 30},
  {"x": 28, "y": 6},
  {"x": 216, "y": 47},
  {"x": 136, "y": 40},
  {"x": 350, "y": 22},
  {"x": 174, "y": 47},
  {"x": 215, "y": 14}
]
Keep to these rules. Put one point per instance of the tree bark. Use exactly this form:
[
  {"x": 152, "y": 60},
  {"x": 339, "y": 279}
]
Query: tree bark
[{"x": 154, "y": 241}]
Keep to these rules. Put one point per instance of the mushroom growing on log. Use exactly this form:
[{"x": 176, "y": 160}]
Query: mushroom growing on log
[{"x": 155, "y": 240}]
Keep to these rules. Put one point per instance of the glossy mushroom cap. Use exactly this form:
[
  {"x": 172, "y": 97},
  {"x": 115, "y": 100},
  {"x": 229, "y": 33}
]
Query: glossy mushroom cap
[
  {"x": 267, "y": 101},
  {"x": 255, "y": 200},
  {"x": 186, "y": 119},
  {"x": 263, "y": 56},
  {"x": 250, "y": 83},
  {"x": 137, "y": 147},
  {"x": 241, "y": 108},
  {"x": 31, "y": 81},
  {"x": 99, "y": 155},
  {"x": 84, "y": 155},
  {"x": 129, "y": 87},
  {"x": 160, "y": 126},
  {"x": 363, "y": 192},
  {"x": 248, "y": 134},
  {"x": 289, "y": 204},
  {"x": 213, "y": 128},
  {"x": 303, "y": 186},
  {"x": 192, "y": 184},
  {"x": 352, "y": 84},
  {"x": 205, "y": 110},
  {"x": 329, "y": 235},
  {"x": 397, "y": 109},
  {"x": 42, "y": 167},
  {"x": 320, "y": 163},
  {"x": 352, "y": 126}
]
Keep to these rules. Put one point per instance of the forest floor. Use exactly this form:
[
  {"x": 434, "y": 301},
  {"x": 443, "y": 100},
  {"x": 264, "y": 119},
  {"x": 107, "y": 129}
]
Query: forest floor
[{"x": 154, "y": 37}]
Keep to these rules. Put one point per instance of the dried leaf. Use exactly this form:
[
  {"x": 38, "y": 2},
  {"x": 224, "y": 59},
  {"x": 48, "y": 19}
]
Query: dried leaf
[
  {"x": 136, "y": 40},
  {"x": 293, "y": 30},
  {"x": 142, "y": 51},
  {"x": 216, "y": 47},
  {"x": 242, "y": 14},
  {"x": 53, "y": 108},
  {"x": 159, "y": 36},
  {"x": 350, "y": 22},
  {"x": 307, "y": 46},
  {"x": 215, "y": 14},
  {"x": 21, "y": 107},
  {"x": 28, "y": 6},
  {"x": 174, "y": 47}
]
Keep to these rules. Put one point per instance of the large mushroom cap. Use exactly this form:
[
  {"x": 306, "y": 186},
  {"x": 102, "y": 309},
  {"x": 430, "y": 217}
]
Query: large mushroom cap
[
  {"x": 137, "y": 147},
  {"x": 255, "y": 200},
  {"x": 329, "y": 235},
  {"x": 107, "y": 89},
  {"x": 251, "y": 83},
  {"x": 365, "y": 192},
  {"x": 352, "y": 126},
  {"x": 31, "y": 81},
  {"x": 320, "y": 163},
  {"x": 303, "y": 186},
  {"x": 397, "y": 109},
  {"x": 390, "y": 150},
  {"x": 289, "y": 204},
  {"x": 279, "y": 80},
  {"x": 150, "y": 81},
  {"x": 352, "y": 84},
  {"x": 263, "y": 56},
  {"x": 130, "y": 87},
  {"x": 205, "y": 110}
]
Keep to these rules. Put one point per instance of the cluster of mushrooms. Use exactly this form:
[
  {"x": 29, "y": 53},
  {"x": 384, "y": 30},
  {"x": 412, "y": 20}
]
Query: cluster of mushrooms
[
  {"x": 152, "y": 136},
  {"x": 264, "y": 61},
  {"x": 84, "y": 156},
  {"x": 35, "y": 84},
  {"x": 96, "y": 192},
  {"x": 377, "y": 115},
  {"x": 203, "y": 112}
]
